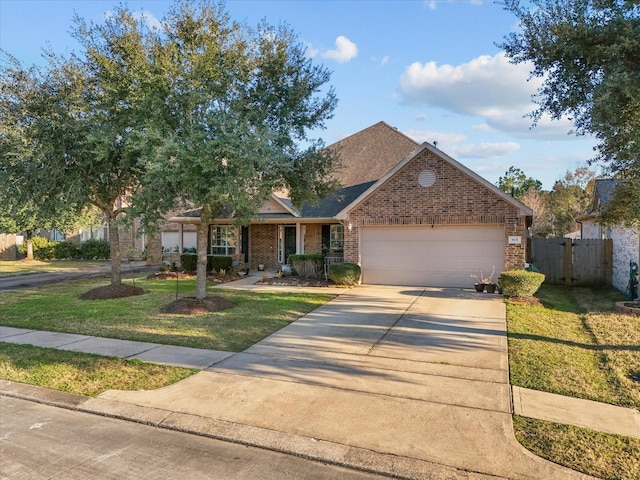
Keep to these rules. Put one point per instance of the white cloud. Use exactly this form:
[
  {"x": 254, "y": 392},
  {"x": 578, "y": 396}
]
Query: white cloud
[
  {"x": 489, "y": 87},
  {"x": 484, "y": 150},
  {"x": 380, "y": 61},
  {"x": 432, "y": 4},
  {"x": 345, "y": 50},
  {"x": 454, "y": 144},
  {"x": 146, "y": 17},
  {"x": 443, "y": 138}
]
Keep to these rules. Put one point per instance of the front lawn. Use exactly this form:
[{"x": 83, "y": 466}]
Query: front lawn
[
  {"x": 24, "y": 267},
  {"x": 575, "y": 344},
  {"x": 82, "y": 373},
  {"x": 59, "y": 308}
]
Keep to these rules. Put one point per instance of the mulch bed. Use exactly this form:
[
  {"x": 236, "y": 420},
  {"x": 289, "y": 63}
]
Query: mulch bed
[
  {"x": 112, "y": 291},
  {"x": 170, "y": 275},
  {"x": 191, "y": 306},
  {"x": 296, "y": 281}
]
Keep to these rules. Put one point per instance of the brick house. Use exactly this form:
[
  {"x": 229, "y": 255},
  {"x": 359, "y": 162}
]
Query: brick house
[
  {"x": 625, "y": 240},
  {"x": 408, "y": 214}
]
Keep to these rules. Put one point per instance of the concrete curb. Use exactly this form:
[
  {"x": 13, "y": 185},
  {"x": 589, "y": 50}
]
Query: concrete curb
[{"x": 305, "y": 447}]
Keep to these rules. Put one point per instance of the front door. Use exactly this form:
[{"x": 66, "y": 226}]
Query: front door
[{"x": 286, "y": 242}]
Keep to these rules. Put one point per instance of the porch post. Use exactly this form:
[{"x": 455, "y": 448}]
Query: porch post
[
  {"x": 298, "y": 238},
  {"x": 180, "y": 238}
]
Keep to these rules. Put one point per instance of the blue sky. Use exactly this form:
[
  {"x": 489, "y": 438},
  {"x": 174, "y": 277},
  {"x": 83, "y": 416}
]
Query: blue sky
[{"x": 430, "y": 68}]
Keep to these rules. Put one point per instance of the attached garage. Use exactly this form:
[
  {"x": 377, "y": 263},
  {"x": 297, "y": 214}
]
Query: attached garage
[{"x": 442, "y": 256}]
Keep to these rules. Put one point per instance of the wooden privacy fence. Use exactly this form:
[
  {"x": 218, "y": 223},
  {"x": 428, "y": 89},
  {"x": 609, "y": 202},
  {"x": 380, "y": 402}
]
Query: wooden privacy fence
[{"x": 573, "y": 262}]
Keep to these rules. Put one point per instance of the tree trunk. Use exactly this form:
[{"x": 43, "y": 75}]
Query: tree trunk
[
  {"x": 29, "y": 239},
  {"x": 201, "y": 270},
  {"x": 116, "y": 260}
]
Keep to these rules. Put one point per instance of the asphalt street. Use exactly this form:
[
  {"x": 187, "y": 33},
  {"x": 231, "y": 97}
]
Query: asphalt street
[{"x": 38, "y": 441}]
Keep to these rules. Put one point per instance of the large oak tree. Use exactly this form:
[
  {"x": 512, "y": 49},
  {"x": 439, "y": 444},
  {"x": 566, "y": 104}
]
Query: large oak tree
[{"x": 588, "y": 54}]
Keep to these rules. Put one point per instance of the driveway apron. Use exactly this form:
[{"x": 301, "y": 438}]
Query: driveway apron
[{"x": 415, "y": 373}]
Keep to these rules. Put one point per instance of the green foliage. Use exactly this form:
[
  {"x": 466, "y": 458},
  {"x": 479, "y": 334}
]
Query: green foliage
[
  {"x": 516, "y": 183},
  {"x": 345, "y": 273},
  {"x": 588, "y": 54},
  {"x": 520, "y": 283},
  {"x": 306, "y": 265},
  {"x": 189, "y": 262},
  {"x": 43, "y": 248},
  {"x": 66, "y": 251},
  {"x": 624, "y": 206},
  {"x": 218, "y": 262},
  {"x": 95, "y": 250}
]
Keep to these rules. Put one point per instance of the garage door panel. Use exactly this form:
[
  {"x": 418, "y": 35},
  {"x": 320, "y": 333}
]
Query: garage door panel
[{"x": 441, "y": 256}]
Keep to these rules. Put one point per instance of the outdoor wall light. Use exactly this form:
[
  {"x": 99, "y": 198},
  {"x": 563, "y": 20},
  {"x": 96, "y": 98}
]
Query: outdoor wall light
[{"x": 350, "y": 227}]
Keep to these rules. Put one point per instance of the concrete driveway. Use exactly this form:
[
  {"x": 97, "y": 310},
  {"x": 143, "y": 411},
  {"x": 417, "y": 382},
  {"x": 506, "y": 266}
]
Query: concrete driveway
[{"x": 406, "y": 381}]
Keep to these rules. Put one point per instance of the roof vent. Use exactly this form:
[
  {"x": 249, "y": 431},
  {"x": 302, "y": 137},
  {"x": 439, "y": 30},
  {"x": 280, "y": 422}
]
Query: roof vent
[{"x": 426, "y": 178}]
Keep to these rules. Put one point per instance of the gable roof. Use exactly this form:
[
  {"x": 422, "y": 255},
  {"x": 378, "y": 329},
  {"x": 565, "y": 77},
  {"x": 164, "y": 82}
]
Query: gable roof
[
  {"x": 602, "y": 193},
  {"x": 522, "y": 208},
  {"x": 368, "y": 154}
]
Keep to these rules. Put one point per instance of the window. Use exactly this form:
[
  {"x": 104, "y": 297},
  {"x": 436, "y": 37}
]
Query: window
[
  {"x": 336, "y": 239},
  {"x": 223, "y": 240}
]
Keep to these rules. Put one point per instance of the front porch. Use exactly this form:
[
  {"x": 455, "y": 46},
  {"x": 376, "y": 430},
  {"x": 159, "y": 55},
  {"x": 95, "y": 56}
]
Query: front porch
[{"x": 266, "y": 244}]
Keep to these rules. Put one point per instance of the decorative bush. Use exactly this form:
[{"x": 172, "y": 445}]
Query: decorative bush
[
  {"x": 189, "y": 262},
  {"x": 520, "y": 283},
  {"x": 217, "y": 263},
  {"x": 344, "y": 273},
  {"x": 66, "y": 251},
  {"x": 306, "y": 265},
  {"x": 43, "y": 248},
  {"x": 95, "y": 250}
]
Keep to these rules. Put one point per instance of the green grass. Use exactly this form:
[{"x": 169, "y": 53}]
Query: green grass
[
  {"x": 575, "y": 344},
  {"x": 254, "y": 316},
  {"x": 602, "y": 455},
  {"x": 82, "y": 373},
  {"x": 24, "y": 267}
]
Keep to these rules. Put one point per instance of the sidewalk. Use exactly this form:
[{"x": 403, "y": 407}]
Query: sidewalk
[{"x": 427, "y": 367}]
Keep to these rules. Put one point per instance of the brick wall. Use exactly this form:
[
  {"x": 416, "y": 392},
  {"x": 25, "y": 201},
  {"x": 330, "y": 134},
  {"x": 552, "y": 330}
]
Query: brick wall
[
  {"x": 313, "y": 238},
  {"x": 263, "y": 242},
  {"x": 626, "y": 247},
  {"x": 454, "y": 199}
]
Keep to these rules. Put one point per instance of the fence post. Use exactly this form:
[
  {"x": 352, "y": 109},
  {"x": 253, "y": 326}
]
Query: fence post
[{"x": 567, "y": 262}]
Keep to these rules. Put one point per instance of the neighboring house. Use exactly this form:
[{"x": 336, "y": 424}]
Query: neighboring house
[
  {"x": 626, "y": 240},
  {"x": 408, "y": 214}
]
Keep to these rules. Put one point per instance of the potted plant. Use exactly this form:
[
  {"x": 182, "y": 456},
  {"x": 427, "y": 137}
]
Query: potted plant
[{"x": 483, "y": 282}]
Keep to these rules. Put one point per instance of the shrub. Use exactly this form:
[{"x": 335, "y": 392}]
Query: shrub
[
  {"x": 42, "y": 248},
  {"x": 520, "y": 283},
  {"x": 306, "y": 265},
  {"x": 217, "y": 263},
  {"x": 189, "y": 262},
  {"x": 66, "y": 251},
  {"x": 344, "y": 273},
  {"x": 95, "y": 249}
]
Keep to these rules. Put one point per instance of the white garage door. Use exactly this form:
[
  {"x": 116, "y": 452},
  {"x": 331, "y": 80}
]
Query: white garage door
[{"x": 442, "y": 256}]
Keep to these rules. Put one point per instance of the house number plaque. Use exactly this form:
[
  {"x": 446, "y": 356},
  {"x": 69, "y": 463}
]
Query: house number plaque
[{"x": 515, "y": 240}]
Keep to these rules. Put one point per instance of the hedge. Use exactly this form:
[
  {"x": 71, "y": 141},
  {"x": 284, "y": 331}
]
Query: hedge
[
  {"x": 345, "y": 273},
  {"x": 45, "y": 249},
  {"x": 189, "y": 262},
  {"x": 306, "y": 265},
  {"x": 520, "y": 283}
]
